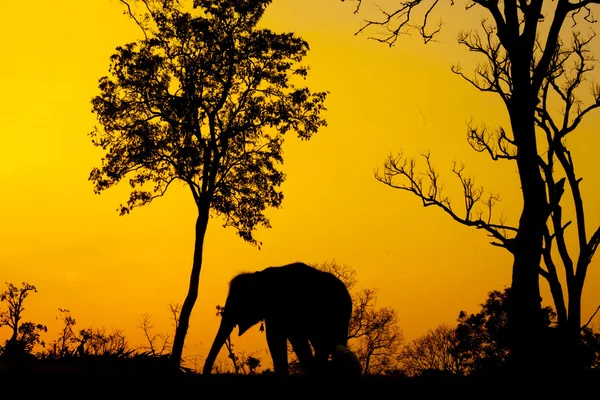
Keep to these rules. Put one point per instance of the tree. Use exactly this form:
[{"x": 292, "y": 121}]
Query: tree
[
  {"x": 67, "y": 342},
  {"x": 435, "y": 350},
  {"x": 374, "y": 334},
  {"x": 480, "y": 343},
  {"x": 158, "y": 343},
  {"x": 528, "y": 65},
  {"x": 25, "y": 335},
  {"x": 204, "y": 99},
  {"x": 482, "y": 340}
]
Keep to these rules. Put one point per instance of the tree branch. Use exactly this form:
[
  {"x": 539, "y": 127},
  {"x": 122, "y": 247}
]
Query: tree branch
[
  {"x": 130, "y": 13},
  {"x": 591, "y": 318},
  {"x": 427, "y": 187}
]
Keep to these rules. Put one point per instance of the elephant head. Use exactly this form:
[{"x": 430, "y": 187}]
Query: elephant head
[
  {"x": 244, "y": 308},
  {"x": 299, "y": 304}
]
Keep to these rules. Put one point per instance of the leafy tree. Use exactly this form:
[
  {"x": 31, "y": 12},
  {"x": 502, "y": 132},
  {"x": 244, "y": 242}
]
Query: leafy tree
[
  {"x": 590, "y": 348},
  {"x": 483, "y": 340},
  {"x": 538, "y": 75},
  {"x": 96, "y": 342},
  {"x": 25, "y": 335},
  {"x": 204, "y": 99},
  {"x": 253, "y": 364}
]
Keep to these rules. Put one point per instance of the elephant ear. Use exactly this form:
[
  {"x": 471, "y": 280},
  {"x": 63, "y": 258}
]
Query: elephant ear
[{"x": 253, "y": 309}]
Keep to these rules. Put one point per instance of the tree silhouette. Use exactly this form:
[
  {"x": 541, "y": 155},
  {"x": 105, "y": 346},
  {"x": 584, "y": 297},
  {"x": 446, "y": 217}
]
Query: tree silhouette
[
  {"x": 435, "y": 350},
  {"x": 204, "y": 99},
  {"x": 482, "y": 339},
  {"x": 479, "y": 344},
  {"x": 537, "y": 75},
  {"x": 374, "y": 334},
  {"x": 25, "y": 335}
]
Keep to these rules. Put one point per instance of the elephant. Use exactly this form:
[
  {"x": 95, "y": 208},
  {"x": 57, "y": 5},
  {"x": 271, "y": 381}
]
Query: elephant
[{"x": 299, "y": 304}]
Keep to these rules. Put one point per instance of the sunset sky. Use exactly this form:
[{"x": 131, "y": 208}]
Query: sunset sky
[{"x": 56, "y": 234}]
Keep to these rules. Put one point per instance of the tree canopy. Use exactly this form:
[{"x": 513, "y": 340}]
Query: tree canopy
[{"x": 204, "y": 99}]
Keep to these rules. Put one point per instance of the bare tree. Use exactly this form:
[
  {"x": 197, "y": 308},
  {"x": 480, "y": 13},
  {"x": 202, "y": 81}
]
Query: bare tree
[
  {"x": 531, "y": 68},
  {"x": 205, "y": 99},
  {"x": 374, "y": 334},
  {"x": 67, "y": 342},
  {"x": 157, "y": 343},
  {"x": 433, "y": 351}
]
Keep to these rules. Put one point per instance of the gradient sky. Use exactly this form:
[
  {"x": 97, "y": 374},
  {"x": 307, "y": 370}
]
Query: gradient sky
[{"x": 56, "y": 234}]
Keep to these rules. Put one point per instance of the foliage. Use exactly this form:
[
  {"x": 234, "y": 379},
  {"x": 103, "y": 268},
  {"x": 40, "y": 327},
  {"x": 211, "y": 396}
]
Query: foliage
[
  {"x": 483, "y": 339},
  {"x": 204, "y": 100},
  {"x": 590, "y": 348},
  {"x": 25, "y": 335},
  {"x": 480, "y": 343}
]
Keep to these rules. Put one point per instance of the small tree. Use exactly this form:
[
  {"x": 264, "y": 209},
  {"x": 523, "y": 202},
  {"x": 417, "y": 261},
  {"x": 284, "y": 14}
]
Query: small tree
[
  {"x": 374, "y": 334},
  {"x": 433, "y": 351},
  {"x": 67, "y": 342},
  {"x": 483, "y": 338},
  {"x": 96, "y": 342},
  {"x": 205, "y": 100},
  {"x": 157, "y": 343},
  {"x": 25, "y": 335}
]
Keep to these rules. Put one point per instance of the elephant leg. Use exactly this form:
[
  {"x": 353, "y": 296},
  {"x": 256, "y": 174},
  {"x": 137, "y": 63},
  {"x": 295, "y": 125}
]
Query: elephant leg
[
  {"x": 323, "y": 349},
  {"x": 277, "y": 342},
  {"x": 303, "y": 351}
]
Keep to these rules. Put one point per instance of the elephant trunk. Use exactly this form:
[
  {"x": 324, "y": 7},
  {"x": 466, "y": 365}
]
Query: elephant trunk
[{"x": 223, "y": 333}]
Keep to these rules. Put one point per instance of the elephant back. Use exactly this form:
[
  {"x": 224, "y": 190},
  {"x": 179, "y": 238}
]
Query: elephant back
[{"x": 298, "y": 293}]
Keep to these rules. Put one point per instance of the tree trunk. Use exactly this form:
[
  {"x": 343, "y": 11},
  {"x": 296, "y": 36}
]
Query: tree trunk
[
  {"x": 190, "y": 300},
  {"x": 572, "y": 333},
  {"x": 525, "y": 310}
]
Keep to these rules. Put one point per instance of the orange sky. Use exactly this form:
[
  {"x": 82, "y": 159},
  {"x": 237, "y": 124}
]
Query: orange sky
[{"x": 109, "y": 270}]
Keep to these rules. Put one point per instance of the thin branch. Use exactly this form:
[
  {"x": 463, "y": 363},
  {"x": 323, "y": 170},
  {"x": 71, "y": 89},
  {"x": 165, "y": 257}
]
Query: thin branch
[
  {"x": 591, "y": 318},
  {"x": 431, "y": 193},
  {"x": 134, "y": 18}
]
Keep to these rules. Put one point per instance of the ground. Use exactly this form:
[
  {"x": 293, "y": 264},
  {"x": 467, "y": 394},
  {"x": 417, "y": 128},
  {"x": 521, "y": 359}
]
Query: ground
[{"x": 106, "y": 381}]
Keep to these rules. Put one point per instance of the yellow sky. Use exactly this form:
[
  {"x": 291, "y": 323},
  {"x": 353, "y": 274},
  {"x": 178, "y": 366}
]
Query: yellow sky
[{"x": 109, "y": 270}]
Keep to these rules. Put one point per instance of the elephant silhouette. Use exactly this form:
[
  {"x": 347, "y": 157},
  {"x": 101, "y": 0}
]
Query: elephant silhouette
[{"x": 297, "y": 303}]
